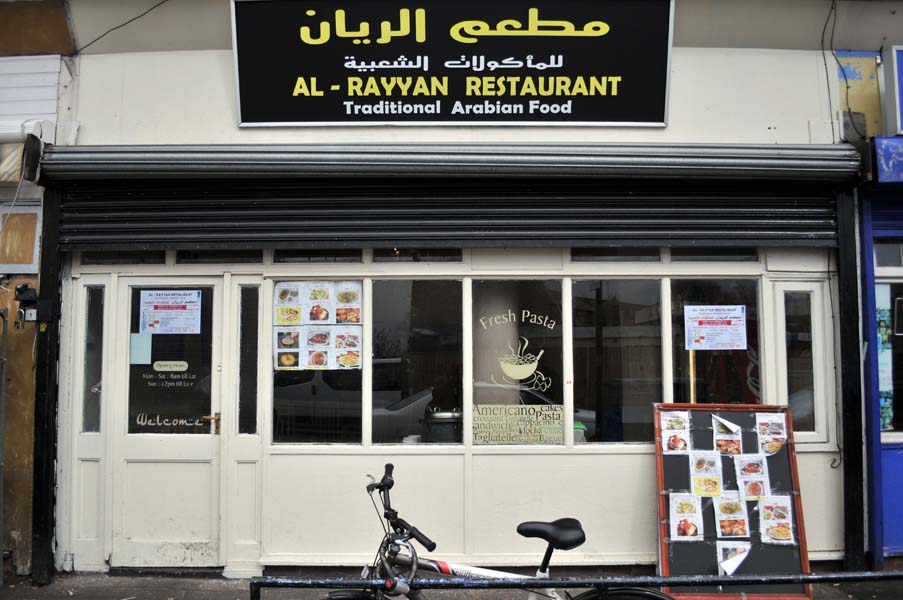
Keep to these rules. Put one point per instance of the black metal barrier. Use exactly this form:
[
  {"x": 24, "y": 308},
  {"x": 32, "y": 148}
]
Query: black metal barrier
[{"x": 445, "y": 583}]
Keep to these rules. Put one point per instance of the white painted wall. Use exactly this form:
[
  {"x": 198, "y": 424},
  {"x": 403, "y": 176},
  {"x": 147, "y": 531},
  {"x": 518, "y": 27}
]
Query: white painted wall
[
  {"x": 471, "y": 506},
  {"x": 717, "y": 96}
]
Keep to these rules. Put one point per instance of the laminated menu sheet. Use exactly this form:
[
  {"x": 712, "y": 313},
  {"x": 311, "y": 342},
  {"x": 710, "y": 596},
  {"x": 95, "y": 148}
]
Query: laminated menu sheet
[
  {"x": 729, "y": 501},
  {"x": 317, "y": 325}
]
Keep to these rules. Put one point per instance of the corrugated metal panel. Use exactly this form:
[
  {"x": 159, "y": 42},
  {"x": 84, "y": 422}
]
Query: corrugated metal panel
[
  {"x": 887, "y": 213},
  {"x": 838, "y": 162},
  {"x": 28, "y": 87},
  {"x": 461, "y": 212}
]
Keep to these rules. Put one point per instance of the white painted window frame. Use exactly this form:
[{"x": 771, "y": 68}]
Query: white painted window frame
[
  {"x": 553, "y": 264},
  {"x": 822, "y": 357}
]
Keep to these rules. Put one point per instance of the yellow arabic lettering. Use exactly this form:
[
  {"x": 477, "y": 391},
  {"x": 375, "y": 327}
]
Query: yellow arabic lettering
[
  {"x": 362, "y": 33},
  {"x": 404, "y": 28},
  {"x": 467, "y": 32},
  {"x": 341, "y": 28},
  {"x": 324, "y": 32}
]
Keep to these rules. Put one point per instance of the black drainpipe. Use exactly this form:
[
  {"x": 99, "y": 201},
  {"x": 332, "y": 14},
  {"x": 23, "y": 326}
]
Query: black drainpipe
[
  {"x": 851, "y": 386},
  {"x": 46, "y": 393}
]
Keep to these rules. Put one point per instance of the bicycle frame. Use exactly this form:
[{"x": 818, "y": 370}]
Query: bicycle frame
[{"x": 462, "y": 570}]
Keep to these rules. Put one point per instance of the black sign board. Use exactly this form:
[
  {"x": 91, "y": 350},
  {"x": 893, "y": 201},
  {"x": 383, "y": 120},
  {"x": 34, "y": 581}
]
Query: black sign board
[
  {"x": 432, "y": 62},
  {"x": 738, "y": 450}
]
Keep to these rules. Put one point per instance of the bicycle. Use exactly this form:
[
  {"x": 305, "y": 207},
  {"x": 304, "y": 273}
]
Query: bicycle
[{"x": 396, "y": 562}]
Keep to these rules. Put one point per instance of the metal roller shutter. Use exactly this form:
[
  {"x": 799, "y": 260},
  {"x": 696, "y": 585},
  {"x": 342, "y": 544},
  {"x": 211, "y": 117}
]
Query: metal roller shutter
[{"x": 327, "y": 212}]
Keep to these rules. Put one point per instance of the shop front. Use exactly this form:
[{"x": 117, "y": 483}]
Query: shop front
[
  {"x": 247, "y": 332},
  {"x": 882, "y": 225}
]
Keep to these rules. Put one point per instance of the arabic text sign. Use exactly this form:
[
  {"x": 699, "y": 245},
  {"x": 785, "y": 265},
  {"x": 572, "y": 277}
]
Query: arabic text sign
[
  {"x": 173, "y": 312},
  {"x": 715, "y": 327},
  {"x": 503, "y": 62}
]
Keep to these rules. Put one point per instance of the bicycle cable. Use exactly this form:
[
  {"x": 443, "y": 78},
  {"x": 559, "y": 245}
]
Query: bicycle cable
[{"x": 378, "y": 515}]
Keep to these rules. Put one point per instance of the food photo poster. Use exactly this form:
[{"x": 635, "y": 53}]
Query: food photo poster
[{"x": 317, "y": 325}]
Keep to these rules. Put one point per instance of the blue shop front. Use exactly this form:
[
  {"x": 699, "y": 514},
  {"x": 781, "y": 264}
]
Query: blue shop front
[{"x": 881, "y": 202}]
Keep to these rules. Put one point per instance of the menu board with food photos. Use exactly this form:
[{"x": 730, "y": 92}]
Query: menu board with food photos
[
  {"x": 317, "y": 325},
  {"x": 729, "y": 500}
]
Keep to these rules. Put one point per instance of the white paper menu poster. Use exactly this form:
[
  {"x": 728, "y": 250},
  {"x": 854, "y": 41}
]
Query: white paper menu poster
[
  {"x": 317, "y": 325},
  {"x": 726, "y": 436},
  {"x": 772, "y": 431},
  {"x": 730, "y": 516},
  {"x": 705, "y": 473},
  {"x": 752, "y": 476},
  {"x": 776, "y": 520},
  {"x": 686, "y": 518},
  {"x": 173, "y": 312},
  {"x": 715, "y": 327},
  {"x": 675, "y": 428}
]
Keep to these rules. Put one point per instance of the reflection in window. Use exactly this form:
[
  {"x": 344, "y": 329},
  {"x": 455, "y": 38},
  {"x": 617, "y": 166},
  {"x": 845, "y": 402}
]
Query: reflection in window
[
  {"x": 247, "y": 360},
  {"x": 517, "y": 362},
  {"x": 617, "y": 360},
  {"x": 93, "y": 359},
  {"x": 800, "y": 369},
  {"x": 417, "y": 361},
  {"x": 317, "y": 407},
  {"x": 721, "y": 376}
]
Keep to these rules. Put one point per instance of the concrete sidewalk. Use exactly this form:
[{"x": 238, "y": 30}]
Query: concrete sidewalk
[{"x": 154, "y": 587}]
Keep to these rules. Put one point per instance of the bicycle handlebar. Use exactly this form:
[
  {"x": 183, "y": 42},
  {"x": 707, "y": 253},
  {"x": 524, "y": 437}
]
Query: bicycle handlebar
[
  {"x": 385, "y": 484},
  {"x": 426, "y": 542}
]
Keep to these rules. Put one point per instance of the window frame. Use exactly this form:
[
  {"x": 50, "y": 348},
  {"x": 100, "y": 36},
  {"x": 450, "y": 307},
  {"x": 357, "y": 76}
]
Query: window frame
[
  {"x": 779, "y": 265},
  {"x": 889, "y": 276},
  {"x": 822, "y": 359}
]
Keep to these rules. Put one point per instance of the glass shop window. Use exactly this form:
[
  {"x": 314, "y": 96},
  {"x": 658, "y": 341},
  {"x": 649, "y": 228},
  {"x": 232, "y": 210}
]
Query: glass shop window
[
  {"x": 617, "y": 359},
  {"x": 417, "y": 255},
  {"x": 317, "y": 256},
  {"x": 715, "y": 327},
  {"x": 209, "y": 257},
  {"x": 170, "y": 359},
  {"x": 800, "y": 367},
  {"x": 615, "y": 255},
  {"x": 417, "y": 362},
  {"x": 889, "y": 305},
  {"x": 517, "y": 362},
  {"x": 124, "y": 257},
  {"x": 889, "y": 254},
  {"x": 317, "y": 342},
  {"x": 714, "y": 255},
  {"x": 93, "y": 359},
  {"x": 247, "y": 359}
]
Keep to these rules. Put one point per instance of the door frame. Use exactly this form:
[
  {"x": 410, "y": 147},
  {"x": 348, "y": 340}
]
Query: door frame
[{"x": 117, "y": 420}]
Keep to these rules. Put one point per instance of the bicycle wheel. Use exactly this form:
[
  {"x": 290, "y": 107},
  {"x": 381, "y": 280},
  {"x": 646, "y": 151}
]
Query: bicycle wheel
[{"x": 624, "y": 593}]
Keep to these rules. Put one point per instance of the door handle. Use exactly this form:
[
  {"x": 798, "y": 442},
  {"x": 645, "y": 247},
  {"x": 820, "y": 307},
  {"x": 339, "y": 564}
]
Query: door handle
[{"x": 215, "y": 417}]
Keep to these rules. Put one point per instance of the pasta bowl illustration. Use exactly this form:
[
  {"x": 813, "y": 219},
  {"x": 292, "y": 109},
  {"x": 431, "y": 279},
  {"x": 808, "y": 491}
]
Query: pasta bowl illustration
[{"x": 519, "y": 364}]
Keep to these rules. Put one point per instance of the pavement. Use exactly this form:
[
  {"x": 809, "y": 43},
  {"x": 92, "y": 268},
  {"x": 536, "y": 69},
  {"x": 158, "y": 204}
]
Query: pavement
[{"x": 192, "y": 587}]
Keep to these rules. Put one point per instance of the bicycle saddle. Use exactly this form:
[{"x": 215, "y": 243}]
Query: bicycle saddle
[{"x": 562, "y": 534}]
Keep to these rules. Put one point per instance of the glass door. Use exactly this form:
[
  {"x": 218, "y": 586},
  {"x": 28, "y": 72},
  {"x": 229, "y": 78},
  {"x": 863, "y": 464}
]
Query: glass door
[{"x": 167, "y": 442}]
